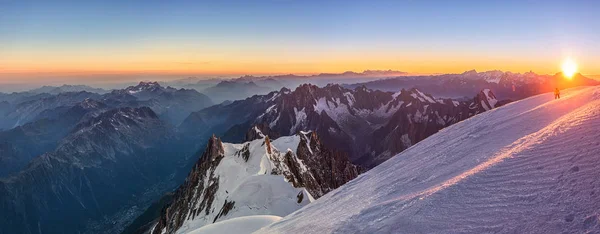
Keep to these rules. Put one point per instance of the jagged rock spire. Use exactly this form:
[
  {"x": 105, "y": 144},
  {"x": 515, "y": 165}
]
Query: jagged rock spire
[{"x": 268, "y": 144}]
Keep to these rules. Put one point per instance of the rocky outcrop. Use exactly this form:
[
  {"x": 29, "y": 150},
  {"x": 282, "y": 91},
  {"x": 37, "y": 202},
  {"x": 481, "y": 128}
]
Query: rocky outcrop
[
  {"x": 260, "y": 131},
  {"x": 329, "y": 169},
  {"x": 486, "y": 100},
  {"x": 186, "y": 204}
]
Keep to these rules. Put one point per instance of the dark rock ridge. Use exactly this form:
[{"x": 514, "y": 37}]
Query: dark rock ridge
[
  {"x": 328, "y": 169},
  {"x": 259, "y": 131},
  {"x": 349, "y": 120},
  {"x": 313, "y": 167}
]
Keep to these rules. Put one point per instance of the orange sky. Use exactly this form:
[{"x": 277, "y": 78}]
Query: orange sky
[{"x": 86, "y": 65}]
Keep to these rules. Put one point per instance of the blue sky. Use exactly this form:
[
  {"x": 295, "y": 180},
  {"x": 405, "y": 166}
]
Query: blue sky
[{"x": 298, "y": 32}]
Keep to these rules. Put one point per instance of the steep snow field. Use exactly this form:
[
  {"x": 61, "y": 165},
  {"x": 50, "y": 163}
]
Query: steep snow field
[
  {"x": 532, "y": 166},
  {"x": 246, "y": 224}
]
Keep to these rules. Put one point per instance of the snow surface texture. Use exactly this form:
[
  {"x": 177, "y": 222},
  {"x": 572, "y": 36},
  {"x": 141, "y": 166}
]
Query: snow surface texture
[
  {"x": 250, "y": 184},
  {"x": 241, "y": 225},
  {"x": 529, "y": 167}
]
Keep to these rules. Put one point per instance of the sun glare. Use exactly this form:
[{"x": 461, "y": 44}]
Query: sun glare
[{"x": 569, "y": 68}]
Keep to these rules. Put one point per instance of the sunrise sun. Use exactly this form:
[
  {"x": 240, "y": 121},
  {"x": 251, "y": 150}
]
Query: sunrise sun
[{"x": 569, "y": 68}]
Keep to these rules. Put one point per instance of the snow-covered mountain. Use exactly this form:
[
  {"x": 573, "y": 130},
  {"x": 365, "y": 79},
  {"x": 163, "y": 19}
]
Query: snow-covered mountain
[
  {"x": 529, "y": 167},
  {"x": 259, "y": 177},
  {"x": 362, "y": 122}
]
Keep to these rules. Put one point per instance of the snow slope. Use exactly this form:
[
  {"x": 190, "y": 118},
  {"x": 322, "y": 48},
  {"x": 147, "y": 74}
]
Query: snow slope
[
  {"x": 246, "y": 224},
  {"x": 529, "y": 167}
]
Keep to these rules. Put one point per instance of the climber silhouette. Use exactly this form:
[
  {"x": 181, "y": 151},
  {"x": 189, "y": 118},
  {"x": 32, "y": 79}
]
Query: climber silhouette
[{"x": 556, "y": 93}]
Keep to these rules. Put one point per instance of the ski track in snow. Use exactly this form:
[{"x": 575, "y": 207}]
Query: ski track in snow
[{"x": 531, "y": 166}]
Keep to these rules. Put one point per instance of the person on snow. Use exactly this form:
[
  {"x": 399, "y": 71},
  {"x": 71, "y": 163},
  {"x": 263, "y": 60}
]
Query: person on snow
[{"x": 556, "y": 93}]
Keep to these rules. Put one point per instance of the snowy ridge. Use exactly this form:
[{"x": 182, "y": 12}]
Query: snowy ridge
[
  {"x": 249, "y": 183},
  {"x": 539, "y": 177},
  {"x": 260, "y": 177}
]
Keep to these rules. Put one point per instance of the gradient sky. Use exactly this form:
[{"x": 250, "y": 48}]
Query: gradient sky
[{"x": 71, "y": 40}]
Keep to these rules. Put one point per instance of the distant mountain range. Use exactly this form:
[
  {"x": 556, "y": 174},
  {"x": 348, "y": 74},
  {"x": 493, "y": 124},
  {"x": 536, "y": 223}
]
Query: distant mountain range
[
  {"x": 221, "y": 89},
  {"x": 169, "y": 103},
  {"x": 23, "y": 143},
  {"x": 505, "y": 84},
  {"x": 97, "y": 175},
  {"x": 234, "y": 90},
  {"x": 81, "y": 162},
  {"x": 68, "y": 88}
]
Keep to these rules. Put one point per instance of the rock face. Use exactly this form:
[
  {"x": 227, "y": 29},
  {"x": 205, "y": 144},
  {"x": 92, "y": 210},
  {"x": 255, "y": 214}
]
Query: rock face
[
  {"x": 234, "y": 180},
  {"x": 184, "y": 202},
  {"x": 329, "y": 169},
  {"x": 417, "y": 121},
  {"x": 485, "y": 100},
  {"x": 361, "y": 122},
  {"x": 260, "y": 131}
]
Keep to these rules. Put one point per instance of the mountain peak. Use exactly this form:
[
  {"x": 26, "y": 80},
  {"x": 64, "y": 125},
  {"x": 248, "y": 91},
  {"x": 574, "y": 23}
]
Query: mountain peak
[
  {"x": 470, "y": 72},
  {"x": 89, "y": 103},
  {"x": 306, "y": 88},
  {"x": 149, "y": 84},
  {"x": 144, "y": 86}
]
